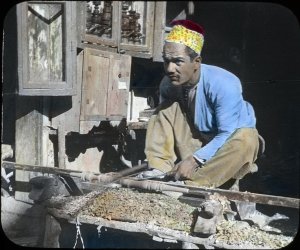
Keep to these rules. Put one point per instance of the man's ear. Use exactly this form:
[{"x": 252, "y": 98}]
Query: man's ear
[{"x": 197, "y": 61}]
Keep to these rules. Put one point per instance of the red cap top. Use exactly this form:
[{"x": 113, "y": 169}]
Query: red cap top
[{"x": 189, "y": 25}]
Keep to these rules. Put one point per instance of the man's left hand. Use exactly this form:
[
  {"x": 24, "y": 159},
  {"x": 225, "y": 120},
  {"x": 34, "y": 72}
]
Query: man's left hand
[{"x": 185, "y": 169}]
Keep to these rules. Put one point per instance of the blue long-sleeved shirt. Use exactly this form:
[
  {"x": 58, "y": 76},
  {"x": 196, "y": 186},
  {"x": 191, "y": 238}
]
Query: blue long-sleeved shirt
[{"x": 219, "y": 109}]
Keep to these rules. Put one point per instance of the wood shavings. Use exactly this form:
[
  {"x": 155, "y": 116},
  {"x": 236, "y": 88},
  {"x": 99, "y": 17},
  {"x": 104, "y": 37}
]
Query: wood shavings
[
  {"x": 241, "y": 234},
  {"x": 132, "y": 206},
  {"x": 71, "y": 204}
]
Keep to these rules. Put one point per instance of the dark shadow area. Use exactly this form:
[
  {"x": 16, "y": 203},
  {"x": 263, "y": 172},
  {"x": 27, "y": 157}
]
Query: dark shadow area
[
  {"x": 135, "y": 145},
  {"x": 145, "y": 78},
  {"x": 59, "y": 105},
  {"x": 10, "y": 78},
  {"x": 289, "y": 226},
  {"x": 105, "y": 138},
  {"x": 109, "y": 238}
]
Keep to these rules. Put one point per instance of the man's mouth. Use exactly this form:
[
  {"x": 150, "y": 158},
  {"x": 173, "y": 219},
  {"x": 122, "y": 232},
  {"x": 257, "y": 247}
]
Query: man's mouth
[{"x": 173, "y": 77}]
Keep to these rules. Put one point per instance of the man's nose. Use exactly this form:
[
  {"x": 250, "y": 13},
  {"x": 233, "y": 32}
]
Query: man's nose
[{"x": 170, "y": 67}]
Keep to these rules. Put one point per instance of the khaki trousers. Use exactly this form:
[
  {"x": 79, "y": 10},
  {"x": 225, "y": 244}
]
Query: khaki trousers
[{"x": 171, "y": 138}]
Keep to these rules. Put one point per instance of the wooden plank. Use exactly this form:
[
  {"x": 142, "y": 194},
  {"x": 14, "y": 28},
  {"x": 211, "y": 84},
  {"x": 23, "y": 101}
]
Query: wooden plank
[
  {"x": 76, "y": 99},
  {"x": 98, "y": 40},
  {"x": 136, "y": 48},
  {"x": 94, "y": 118},
  {"x": 46, "y": 92},
  {"x": 80, "y": 21},
  {"x": 22, "y": 48},
  {"x": 47, "y": 145},
  {"x": 118, "y": 85},
  {"x": 106, "y": 81},
  {"x": 159, "y": 30},
  {"x": 65, "y": 118},
  {"x": 95, "y": 80},
  {"x": 61, "y": 146},
  {"x": 139, "y": 54},
  {"x": 98, "y": 46},
  {"x": 149, "y": 229},
  {"x": 89, "y": 161},
  {"x": 86, "y": 126},
  {"x": 137, "y": 125},
  {"x": 68, "y": 108}
]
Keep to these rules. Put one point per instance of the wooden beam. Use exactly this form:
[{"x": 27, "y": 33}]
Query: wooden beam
[
  {"x": 149, "y": 229},
  {"x": 61, "y": 146}
]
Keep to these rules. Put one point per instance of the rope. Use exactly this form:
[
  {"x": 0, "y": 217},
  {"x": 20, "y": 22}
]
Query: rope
[{"x": 78, "y": 233}]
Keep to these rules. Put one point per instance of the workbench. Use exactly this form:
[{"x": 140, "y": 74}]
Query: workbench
[
  {"x": 65, "y": 214},
  {"x": 63, "y": 210}
]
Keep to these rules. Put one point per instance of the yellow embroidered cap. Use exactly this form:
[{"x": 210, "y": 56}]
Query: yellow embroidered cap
[{"x": 188, "y": 33}]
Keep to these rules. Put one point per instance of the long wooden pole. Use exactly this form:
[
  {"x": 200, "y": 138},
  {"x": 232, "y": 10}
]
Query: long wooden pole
[
  {"x": 91, "y": 176},
  {"x": 162, "y": 186},
  {"x": 198, "y": 191}
]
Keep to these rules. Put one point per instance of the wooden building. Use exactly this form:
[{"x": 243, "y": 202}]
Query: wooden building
[{"x": 80, "y": 78}]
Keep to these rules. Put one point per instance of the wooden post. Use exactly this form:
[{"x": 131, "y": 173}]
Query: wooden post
[
  {"x": 52, "y": 232},
  {"x": 28, "y": 135},
  {"x": 61, "y": 146}
]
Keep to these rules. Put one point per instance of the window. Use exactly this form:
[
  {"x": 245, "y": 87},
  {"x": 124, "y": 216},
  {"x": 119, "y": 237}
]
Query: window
[
  {"x": 118, "y": 26},
  {"x": 46, "y": 48}
]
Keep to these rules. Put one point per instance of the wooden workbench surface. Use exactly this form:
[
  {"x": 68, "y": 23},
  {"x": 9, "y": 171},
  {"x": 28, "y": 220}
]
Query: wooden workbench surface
[{"x": 67, "y": 208}]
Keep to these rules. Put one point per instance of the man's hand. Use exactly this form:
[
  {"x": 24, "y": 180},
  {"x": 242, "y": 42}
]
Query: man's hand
[{"x": 185, "y": 169}]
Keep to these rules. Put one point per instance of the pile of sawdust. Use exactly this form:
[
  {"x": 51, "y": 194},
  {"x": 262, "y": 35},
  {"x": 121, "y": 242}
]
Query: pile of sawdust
[
  {"x": 71, "y": 205},
  {"x": 241, "y": 234},
  {"x": 129, "y": 205}
]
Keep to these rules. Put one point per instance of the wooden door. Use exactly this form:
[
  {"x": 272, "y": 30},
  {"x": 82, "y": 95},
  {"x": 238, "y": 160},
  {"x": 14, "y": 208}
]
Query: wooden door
[{"x": 105, "y": 87}]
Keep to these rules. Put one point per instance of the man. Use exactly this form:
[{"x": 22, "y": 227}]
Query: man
[{"x": 203, "y": 131}]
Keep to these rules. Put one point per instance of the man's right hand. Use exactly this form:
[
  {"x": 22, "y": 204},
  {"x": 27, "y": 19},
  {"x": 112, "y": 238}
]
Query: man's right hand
[{"x": 184, "y": 169}]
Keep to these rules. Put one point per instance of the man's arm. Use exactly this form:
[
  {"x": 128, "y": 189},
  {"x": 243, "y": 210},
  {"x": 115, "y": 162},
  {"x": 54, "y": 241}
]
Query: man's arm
[{"x": 227, "y": 101}]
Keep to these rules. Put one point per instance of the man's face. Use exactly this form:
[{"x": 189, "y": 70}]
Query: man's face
[{"x": 178, "y": 65}]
